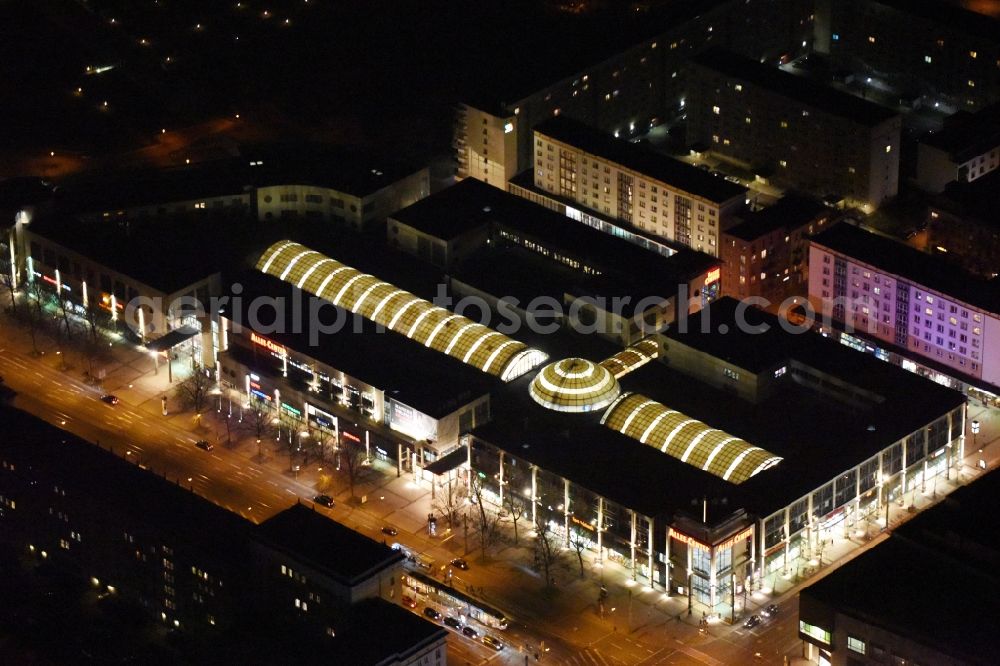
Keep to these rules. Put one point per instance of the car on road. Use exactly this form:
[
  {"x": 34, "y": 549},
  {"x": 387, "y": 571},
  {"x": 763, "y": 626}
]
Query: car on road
[
  {"x": 325, "y": 500},
  {"x": 432, "y": 614},
  {"x": 493, "y": 642},
  {"x": 752, "y": 621},
  {"x": 110, "y": 399},
  {"x": 453, "y": 623},
  {"x": 470, "y": 632},
  {"x": 204, "y": 445},
  {"x": 408, "y": 601},
  {"x": 459, "y": 563},
  {"x": 770, "y": 610},
  {"x": 391, "y": 531}
]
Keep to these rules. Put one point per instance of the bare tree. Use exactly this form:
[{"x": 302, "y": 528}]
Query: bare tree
[
  {"x": 32, "y": 312},
  {"x": 578, "y": 541},
  {"x": 515, "y": 508},
  {"x": 546, "y": 550},
  {"x": 351, "y": 457},
  {"x": 487, "y": 518},
  {"x": 450, "y": 500},
  {"x": 8, "y": 282},
  {"x": 194, "y": 390},
  {"x": 257, "y": 420}
]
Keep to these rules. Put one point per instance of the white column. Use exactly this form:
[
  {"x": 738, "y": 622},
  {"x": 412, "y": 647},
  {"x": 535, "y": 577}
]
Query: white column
[
  {"x": 534, "y": 495},
  {"x": 566, "y": 509},
  {"x": 500, "y": 484},
  {"x": 600, "y": 529},
  {"x": 632, "y": 541},
  {"x": 649, "y": 550}
]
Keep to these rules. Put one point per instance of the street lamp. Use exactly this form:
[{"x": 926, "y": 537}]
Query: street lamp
[{"x": 975, "y": 433}]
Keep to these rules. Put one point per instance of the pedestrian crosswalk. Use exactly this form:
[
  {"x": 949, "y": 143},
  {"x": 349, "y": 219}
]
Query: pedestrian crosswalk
[{"x": 591, "y": 657}]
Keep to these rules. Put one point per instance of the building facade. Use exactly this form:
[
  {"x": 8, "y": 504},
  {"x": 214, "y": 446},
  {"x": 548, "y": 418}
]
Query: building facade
[
  {"x": 920, "y": 306},
  {"x": 792, "y": 131},
  {"x": 652, "y": 192},
  {"x": 966, "y": 149}
]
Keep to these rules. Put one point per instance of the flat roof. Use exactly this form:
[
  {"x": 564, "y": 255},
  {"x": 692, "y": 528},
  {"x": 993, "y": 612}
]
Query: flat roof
[
  {"x": 817, "y": 437},
  {"x": 376, "y": 631},
  {"x": 790, "y": 212},
  {"x": 952, "y": 549},
  {"x": 951, "y": 13},
  {"x": 338, "y": 551},
  {"x": 472, "y": 203},
  {"x": 966, "y": 135},
  {"x": 674, "y": 173},
  {"x": 348, "y": 172},
  {"x": 428, "y": 381},
  {"x": 931, "y": 271},
  {"x": 804, "y": 91}
]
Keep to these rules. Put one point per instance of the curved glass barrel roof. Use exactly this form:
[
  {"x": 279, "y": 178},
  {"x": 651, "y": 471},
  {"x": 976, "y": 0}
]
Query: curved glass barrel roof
[
  {"x": 632, "y": 358},
  {"x": 574, "y": 385},
  {"x": 400, "y": 311},
  {"x": 687, "y": 439}
]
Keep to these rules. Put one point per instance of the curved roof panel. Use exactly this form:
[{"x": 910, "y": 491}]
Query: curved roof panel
[
  {"x": 574, "y": 385},
  {"x": 399, "y": 310},
  {"x": 689, "y": 440}
]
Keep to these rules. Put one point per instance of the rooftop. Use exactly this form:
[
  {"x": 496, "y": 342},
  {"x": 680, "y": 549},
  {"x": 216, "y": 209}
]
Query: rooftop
[
  {"x": 790, "y": 212},
  {"x": 375, "y": 631},
  {"x": 347, "y": 172},
  {"x": 840, "y": 436},
  {"x": 966, "y": 135},
  {"x": 334, "y": 549},
  {"x": 931, "y": 271},
  {"x": 951, "y": 13},
  {"x": 663, "y": 168},
  {"x": 804, "y": 91},
  {"x": 472, "y": 203},
  {"x": 877, "y": 587},
  {"x": 429, "y": 381}
]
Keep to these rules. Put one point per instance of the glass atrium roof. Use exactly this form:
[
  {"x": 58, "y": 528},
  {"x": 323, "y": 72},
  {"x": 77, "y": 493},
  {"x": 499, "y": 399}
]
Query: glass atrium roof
[
  {"x": 574, "y": 385},
  {"x": 632, "y": 358},
  {"x": 400, "y": 311},
  {"x": 687, "y": 439}
]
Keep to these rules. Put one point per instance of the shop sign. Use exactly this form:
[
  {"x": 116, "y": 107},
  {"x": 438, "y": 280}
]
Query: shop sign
[
  {"x": 351, "y": 436},
  {"x": 267, "y": 344},
  {"x": 583, "y": 524},
  {"x": 745, "y": 534},
  {"x": 684, "y": 538}
]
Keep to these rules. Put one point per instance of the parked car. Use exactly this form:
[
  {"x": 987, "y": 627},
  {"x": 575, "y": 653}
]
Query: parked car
[
  {"x": 770, "y": 611},
  {"x": 459, "y": 563},
  {"x": 391, "y": 531},
  {"x": 203, "y": 445},
  {"x": 408, "y": 601},
  {"x": 453, "y": 623},
  {"x": 470, "y": 632},
  {"x": 110, "y": 399},
  {"x": 432, "y": 614},
  {"x": 325, "y": 500},
  {"x": 752, "y": 621},
  {"x": 492, "y": 642}
]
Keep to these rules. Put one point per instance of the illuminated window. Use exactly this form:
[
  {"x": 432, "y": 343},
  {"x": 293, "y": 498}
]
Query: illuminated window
[
  {"x": 784, "y": 124},
  {"x": 783, "y": 163},
  {"x": 973, "y": 54},
  {"x": 739, "y": 88},
  {"x": 821, "y": 635},
  {"x": 715, "y": 110},
  {"x": 928, "y": 59},
  {"x": 888, "y": 148},
  {"x": 747, "y": 119},
  {"x": 855, "y": 644},
  {"x": 871, "y": 39},
  {"x": 972, "y": 84}
]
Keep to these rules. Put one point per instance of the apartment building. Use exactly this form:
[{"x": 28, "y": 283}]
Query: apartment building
[
  {"x": 765, "y": 254},
  {"x": 793, "y": 131},
  {"x": 966, "y": 149},
  {"x": 650, "y": 191},
  {"x": 908, "y": 304},
  {"x": 637, "y": 84},
  {"x": 943, "y": 49}
]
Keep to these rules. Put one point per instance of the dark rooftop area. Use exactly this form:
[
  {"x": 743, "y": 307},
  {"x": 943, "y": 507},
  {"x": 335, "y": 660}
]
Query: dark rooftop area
[
  {"x": 931, "y": 271},
  {"x": 814, "y": 95},
  {"x": 790, "y": 212},
  {"x": 954, "y": 607},
  {"x": 339, "y": 551},
  {"x": 959, "y": 14},
  {"x": 429, "y": 381},
  {"x": 966, "y": 135},
  {"x": 375, "y": 631},
  {"x": 660, "y": 167},
  {"x": 472, "y": 203},
  {"x": 839, "y": 437}
]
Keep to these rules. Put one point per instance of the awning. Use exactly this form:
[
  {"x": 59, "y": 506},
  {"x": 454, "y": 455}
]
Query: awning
[
  {"x": 172, "y": 339},
  {"x": 451, "y": 461}
]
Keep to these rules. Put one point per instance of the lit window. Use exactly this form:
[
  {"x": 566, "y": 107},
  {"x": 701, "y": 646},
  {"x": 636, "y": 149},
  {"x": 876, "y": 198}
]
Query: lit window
[
  {"x": 928, "y": 59},
  {"x": 855, "y": 644},
  {"x": 715, "y": 110},
  {"x": 739, "y": 88},
  {"x": 973, "y": 54},
  {"x": 972, "y": 84},
  {"x": 888, "y": 148},
  {"x": 747, "y": 119},
  {"x": 783, "y": 163},
  {"x": 784, "y": 124},
  {"x": 871, "y": 39},
  {"x": 817, "y": 633}
]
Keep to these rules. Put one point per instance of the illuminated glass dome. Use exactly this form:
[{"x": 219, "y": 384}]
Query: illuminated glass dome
[{"x": 574, "y": 385}]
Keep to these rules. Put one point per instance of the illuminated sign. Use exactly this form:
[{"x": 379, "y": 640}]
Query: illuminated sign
[
  {"x": 713, "y": 276},
  {"x": 508, "y": 128},
  {"x": 351, "y": 436},
  {"x": 267, "y": 344},
  {"x": 691, "y": 541},
  {"x": 291, "y": 410},
  {"x": 55, "y": 282},
  {"x": 106, "y": 302},
  {"x": 745, "y": 534},
  {"x": 261, "y": 395},
  {"x": 581, "y": 523}
]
